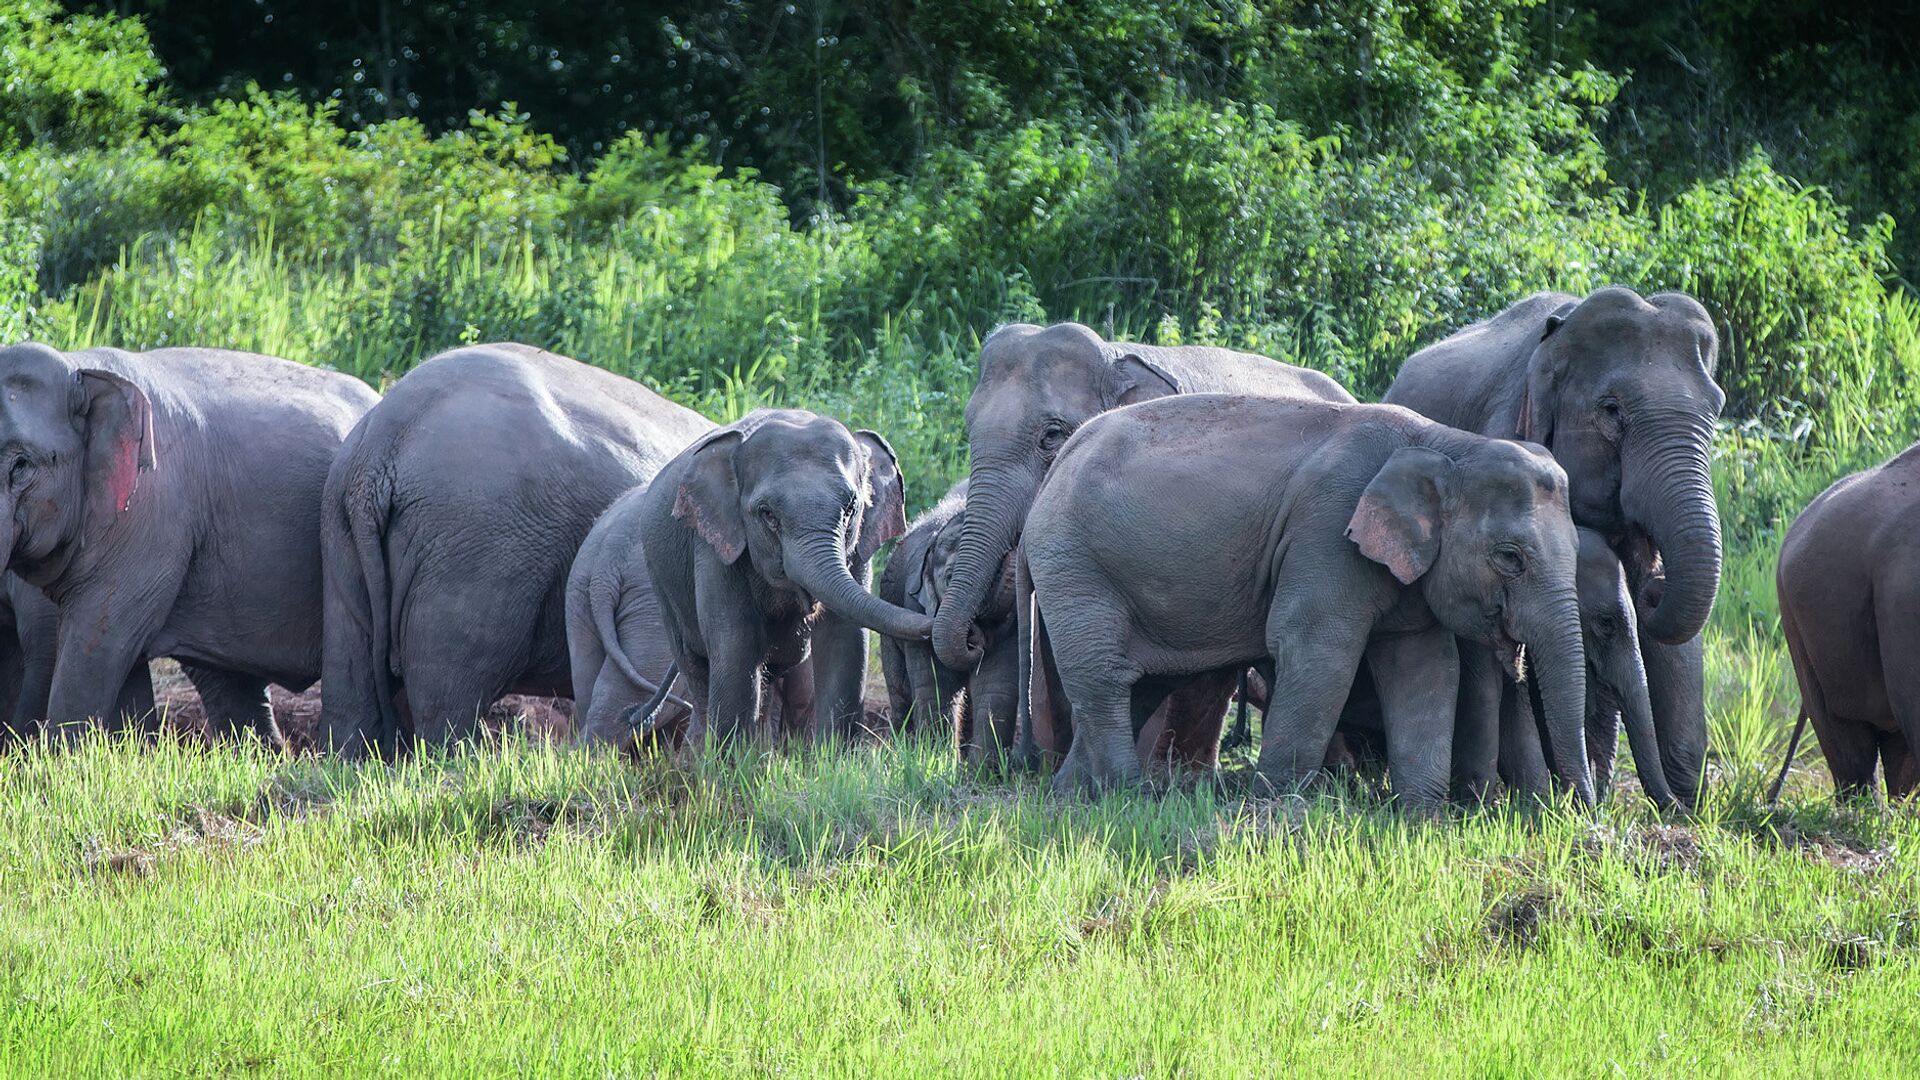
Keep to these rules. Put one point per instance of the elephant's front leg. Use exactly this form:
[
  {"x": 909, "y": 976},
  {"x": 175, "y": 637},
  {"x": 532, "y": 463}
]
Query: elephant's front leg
[
  {"x": 1476, "y": 723},
  {"x": 1523, "y": 754},
  {"x": 1314, "y": 660},
  {"x": 1417, "y": 676},
  {"x": 234, "y": 703},
  {"x": 839, "y": 676},
  {"x": 734, "y": 685},
  {"x": 1676, "y": 685},
  {"x": 105, "y": 627},
  {"x": 992, "y": 702}
]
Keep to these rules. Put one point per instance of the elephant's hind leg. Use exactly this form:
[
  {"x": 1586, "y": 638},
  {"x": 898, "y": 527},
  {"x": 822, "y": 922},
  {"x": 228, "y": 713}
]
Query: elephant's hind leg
[
  {"x": 234, "y": 703},
  {"x": 1099, "y": 680}
]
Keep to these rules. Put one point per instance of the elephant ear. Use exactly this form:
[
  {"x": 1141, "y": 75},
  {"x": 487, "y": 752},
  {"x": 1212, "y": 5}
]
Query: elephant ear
[
  {"x": 886, "y": 513},
  {"x": 1544, "y": 370},
  {"x": 708, "y": 498},
  {"x": 117, "y": 421},
  {"x": 1136, "y": 379},
  {"x": 920, "y": 584},
  {"x": 1397, "y": 523}
]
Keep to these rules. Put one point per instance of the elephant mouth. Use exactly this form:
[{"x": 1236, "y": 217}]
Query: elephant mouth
[
  {"x": 1509, "y": 650},
  {"x": 1645, "y": 568}
]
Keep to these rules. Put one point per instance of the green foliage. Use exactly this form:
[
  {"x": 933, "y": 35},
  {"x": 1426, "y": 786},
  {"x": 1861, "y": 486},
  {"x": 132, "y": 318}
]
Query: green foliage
[{"x": 72, "y": 82}]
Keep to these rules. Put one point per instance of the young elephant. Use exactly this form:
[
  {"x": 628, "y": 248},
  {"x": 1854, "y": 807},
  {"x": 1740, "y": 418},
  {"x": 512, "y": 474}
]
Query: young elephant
[
  {"x": 1616, "y": 689},
  {"x": 976, "y": 706},
  {"x": 617, "y": 641},
  {"x": 169, "y": 502},
  {"x": 1849, "y": 583},
  {"x": 758, "y": 539},
  {"x": 1200, "y": 534}
]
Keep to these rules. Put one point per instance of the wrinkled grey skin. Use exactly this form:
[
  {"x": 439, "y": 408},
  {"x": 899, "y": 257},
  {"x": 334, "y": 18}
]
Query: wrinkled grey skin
[
  {"x": 1849, "y": 585},
  {"x": 758, "y": 539},
  {"x": 1621, "y": 389},
  {"x": 168, "y": 503},
  {"x": 29, "y": 638},
  {"x": 617, "y": 640},
  {"x": 1037, "y": 385},
  {"x": 1616, "y": 689},
  {"x": 1205, "y": 534},
  {"x": 452, "y": 517},
  {"x": 975, "y": 707}
]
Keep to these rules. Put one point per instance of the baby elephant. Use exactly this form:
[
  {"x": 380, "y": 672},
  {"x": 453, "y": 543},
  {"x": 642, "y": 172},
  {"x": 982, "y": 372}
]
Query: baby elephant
[
  {"x": 1849, "y": 581},
  {"x": 758, "y": 539},
  {"x": 976, "y": 706},
  {"x": 1616, "y": 689},
  {"x": 1205, "y": 533}
]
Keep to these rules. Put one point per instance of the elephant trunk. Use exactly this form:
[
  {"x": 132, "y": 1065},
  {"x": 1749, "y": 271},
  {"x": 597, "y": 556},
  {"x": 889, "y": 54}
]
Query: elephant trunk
[
  {"x": 821, "y": 569},
  {"x": 1557, "y": 656},
  {"x": 998, "y": 497},
  {"x": 1628, "y": 676},
  {"x": 1668, "y": 492}
]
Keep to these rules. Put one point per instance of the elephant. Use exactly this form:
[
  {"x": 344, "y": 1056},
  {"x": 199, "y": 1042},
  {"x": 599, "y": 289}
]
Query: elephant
[
  {"x": 451, "y": 518},
  {"x": 1037, "y": 385},
  {"x": 1849, "y": 588},
  {"x": 616, "y": 634},
  {"x": 167, "y": 502},
  {"x": 758, "y": 539},
  {"x": 1621, "y": 388},
  {"x": 1616, "y": 689},
  {"x": 975, "y": 707},
  {"x": 29, "y": 635},
  {"x": 1202, "y": 534}
]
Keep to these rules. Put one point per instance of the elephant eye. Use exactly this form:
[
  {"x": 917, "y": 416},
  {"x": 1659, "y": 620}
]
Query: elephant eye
[
  {"x": 18, "y": 472},
  {"x": 1507, "y": 561},
  {"x": 770, "y": 519},
  {"x": 1605, "y": 627},
  {"x": 1053, "y": 434},
  {"x": 1610, "y": 416}
]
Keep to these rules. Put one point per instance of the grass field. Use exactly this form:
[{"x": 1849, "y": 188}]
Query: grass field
[{"x": 527, "y": 909}]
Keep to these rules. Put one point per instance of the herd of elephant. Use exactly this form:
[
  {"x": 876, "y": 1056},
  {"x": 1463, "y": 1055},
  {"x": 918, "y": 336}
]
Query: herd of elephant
[{"x": 1479, "y": 581}]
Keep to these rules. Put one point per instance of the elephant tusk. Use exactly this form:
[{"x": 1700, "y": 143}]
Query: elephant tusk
[{"x": 1520, "y": 663}]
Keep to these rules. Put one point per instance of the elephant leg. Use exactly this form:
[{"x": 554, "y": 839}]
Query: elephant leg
[
  {"x": 1478, "y": 736},
  {"x": 1314, "y": 661},
  {"x": 1676, "y": 684},
  {"x": 733, "y": 688},
  {"x": 103, "y": 634},
  {"x": 1603, "y": 742},
  {"x": 1417, "y": 676},
  {"x": 1852, "y": 750},
  {"x": 234, "y": 703},
  {"x": 136, "y": 705},
  {"x": 601, "y": 709},
  {"x": 1099, "y": 680},
  {"x": 1195, "y": 712},
  {"x": 799, "y": 702},
  {"x": 893, "y": 672},
  {"x": 1898, "y": 766},
  {"x": 990, "y": 699},
  {"x": 1523, "y": 755},
  {"x": 840, "y": 676}
]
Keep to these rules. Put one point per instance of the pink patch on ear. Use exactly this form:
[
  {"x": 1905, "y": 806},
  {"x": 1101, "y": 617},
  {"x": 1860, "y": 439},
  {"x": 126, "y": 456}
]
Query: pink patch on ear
[
  {"x": 1388, "y": 544},
  {"x": 124, "y": 474},
  {"x": 686, "y": 507}
]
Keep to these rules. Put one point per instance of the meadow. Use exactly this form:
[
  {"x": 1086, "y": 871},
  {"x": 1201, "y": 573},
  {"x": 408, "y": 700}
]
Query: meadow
[{"x": 1335, "y": 185}]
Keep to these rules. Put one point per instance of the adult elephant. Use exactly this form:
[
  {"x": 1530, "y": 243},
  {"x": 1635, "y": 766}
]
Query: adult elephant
[
  {"x": 1849, "y": 587},
  {"x": 1037, "y": 385},
  {"x": 451, "y": 518},
  {"x": 1620, "y": 387},
  {"x": 168, "y": 503}
]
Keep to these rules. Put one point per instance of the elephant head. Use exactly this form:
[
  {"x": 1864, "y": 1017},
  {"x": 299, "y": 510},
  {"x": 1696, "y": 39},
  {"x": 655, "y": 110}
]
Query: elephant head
[
  {"x": 74, "y": 443},
  {"x": 934, "y": 580},
  {"x": 806, "y": 501},
  {"x": 1489, "y": 543},
  {"x": 1037, "y": 385},
  {"x": 1621, "y": 388},
  {"x": 1616, "y": 674}
]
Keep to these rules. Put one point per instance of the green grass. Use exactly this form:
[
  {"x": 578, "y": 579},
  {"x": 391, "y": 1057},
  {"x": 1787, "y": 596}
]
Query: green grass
[{"x": 527, "y": 909}]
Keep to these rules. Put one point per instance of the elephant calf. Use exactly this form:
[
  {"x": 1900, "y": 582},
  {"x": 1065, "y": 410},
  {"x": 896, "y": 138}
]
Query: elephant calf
[
  {"x": 1616, "y": 689},
  {"x": 758, "y": 539},
  {"x": 617, "y": 640},
  {"x": 168, "y": 502},
  {"x": 1201, "y": 534},
  {"x": 976, "y": 706},
  {"x": 1849, "y": 582}
]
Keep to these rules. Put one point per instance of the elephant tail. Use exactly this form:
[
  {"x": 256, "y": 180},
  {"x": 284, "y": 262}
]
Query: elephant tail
[
  {"x": 367, "y": 517},
  {"x": 600, "y": 606},
  {"x": 641, "y": 717},
  {"x": 1786, "y": 766}
]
